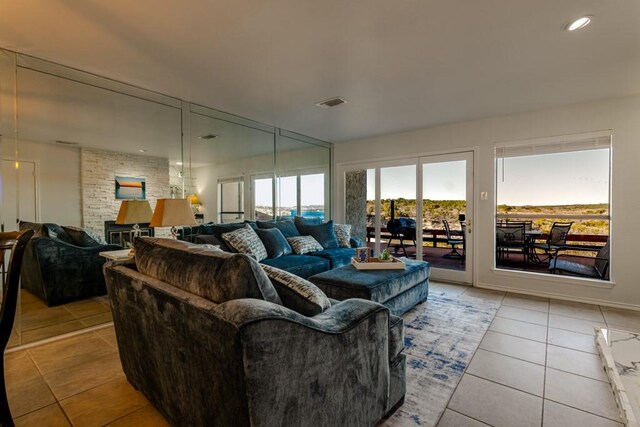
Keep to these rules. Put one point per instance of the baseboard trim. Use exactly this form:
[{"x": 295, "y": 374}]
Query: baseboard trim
[{"x": 563, "y": 297}]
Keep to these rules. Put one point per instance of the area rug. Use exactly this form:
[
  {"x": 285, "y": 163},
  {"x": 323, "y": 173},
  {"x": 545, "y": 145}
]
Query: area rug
[{"x": 441, "y": 337}]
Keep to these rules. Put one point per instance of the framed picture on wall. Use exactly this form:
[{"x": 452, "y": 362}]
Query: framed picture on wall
[{"x": 130, "y": 188}]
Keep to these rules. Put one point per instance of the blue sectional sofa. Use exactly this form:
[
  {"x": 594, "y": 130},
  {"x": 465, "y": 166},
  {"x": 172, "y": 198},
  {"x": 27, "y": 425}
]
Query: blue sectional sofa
[{"x": 333, "y": 255}]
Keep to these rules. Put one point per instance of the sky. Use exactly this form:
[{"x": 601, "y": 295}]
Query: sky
[{"x": 579, "y": 177}]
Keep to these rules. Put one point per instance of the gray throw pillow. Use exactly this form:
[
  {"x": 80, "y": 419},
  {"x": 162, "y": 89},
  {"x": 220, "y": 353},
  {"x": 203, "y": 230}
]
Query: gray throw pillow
[
  {"x": 297, "y": 293},
  {"x": 246, "y": 241},
  {"x": 304, "y": 244},
  {"x": 343, "y": 233}
]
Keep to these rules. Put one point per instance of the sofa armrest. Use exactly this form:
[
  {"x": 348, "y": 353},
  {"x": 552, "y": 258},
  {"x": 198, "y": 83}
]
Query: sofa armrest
[
  {"x": 339, "y": 358},
  {"x": 356, "y": 242}
]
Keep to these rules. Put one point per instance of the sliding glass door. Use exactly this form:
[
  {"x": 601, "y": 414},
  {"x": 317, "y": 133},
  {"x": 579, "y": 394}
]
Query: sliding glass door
[{"x": 406, "y": 207}]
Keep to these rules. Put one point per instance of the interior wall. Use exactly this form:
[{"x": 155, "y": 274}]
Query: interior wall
[
  {"x": 57, "y": 181},
  {"x": 619, "y": 114},
  {"x": 97, "y": 180}
]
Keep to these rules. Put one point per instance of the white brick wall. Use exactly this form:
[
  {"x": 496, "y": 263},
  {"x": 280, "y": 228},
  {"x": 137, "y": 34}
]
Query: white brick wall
[{"x": 98, "y": 170}]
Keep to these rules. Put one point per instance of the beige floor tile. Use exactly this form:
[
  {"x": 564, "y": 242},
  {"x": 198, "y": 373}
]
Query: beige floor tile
[
  {"x": 527, "y": 301},
  {"x": 531, "y": 351},
  {"x": 446, "y": 288},
  {"x": 108, "y": 334},
  {"x": 70, "y": 352},
  {"x": 68, "y": 382},
  {"x": 576, "y": 309},
  {"x": 102, "y": 299},
  {"x": 103, "y": 404},
  {"x": 86, "y": 308},
  {"x": 519, "y": 329},
  {"x": 14, "y": 339},
  {"x": 144, "y": 417},
  {"x": 524, "y": 315},
  {"x": 49, "y": 416},
  {"x": 499, "y": 405},
  {"x": 487, "y": 294},
  {"x": 51, "y": 331},
  {"x": 572, "y": 324},
  {"x": 34, "y": 319},
  {"x": 27, "y": 297},
  {"x": 454, "y": 419},
  {"x": 557, "y": 415},
  {"x": 573, "y": 340},
  {"x": 98, "y": 319},
  {"x": 26, "y": 388},
  {"x": 516, "y": 373},
  {"x": 622, "y": 319},
  {"x": 576, "y": 362},
  {"x": 582, "y": 393}
]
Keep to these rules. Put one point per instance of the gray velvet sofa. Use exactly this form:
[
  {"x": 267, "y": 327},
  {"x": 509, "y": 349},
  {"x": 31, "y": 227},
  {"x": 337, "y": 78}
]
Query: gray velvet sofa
[
  {"x": 305, "y": 265},
  {"x": 208, "y": 340}
]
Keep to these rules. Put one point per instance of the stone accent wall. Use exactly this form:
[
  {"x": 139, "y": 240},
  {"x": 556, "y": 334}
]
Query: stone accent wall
[
  {"x": 356, "y": 202},
  {"x": 98, "y": 170}
]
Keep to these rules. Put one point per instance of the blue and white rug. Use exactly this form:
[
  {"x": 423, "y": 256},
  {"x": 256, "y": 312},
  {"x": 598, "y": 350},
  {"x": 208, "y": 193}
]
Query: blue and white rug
[{"x": 441, "y": 337}]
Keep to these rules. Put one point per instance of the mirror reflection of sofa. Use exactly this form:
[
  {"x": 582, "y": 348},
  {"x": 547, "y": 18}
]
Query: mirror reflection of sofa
[
  {"x": 62, "y": 264},
  {"x": 213, "y": 338},
  {"x": 334, "y": 249}
]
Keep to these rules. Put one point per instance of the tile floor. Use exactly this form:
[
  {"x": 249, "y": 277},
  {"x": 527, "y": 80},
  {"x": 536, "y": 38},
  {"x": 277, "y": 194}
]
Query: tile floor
[{"x": 537, "y": 365}]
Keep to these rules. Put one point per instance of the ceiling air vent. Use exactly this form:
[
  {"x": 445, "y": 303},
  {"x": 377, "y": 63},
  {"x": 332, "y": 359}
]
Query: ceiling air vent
[
  {"x": 208, "y": 136},
  {"x": 333, "y": 102},
  {"x": 66, "y": 142}
]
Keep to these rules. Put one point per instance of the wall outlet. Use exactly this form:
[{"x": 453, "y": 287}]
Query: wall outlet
[{"x": 484, "y": 195}]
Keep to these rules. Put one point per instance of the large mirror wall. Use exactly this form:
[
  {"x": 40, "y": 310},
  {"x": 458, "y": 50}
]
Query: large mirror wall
[{"x": 77, "y": 135}]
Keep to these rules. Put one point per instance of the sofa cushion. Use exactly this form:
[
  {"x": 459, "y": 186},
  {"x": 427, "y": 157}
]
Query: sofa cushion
[
  {"x": 38, "y": 231},
  {"x": 323, "y": 233},
  {"x": 300, "y": 265},
  {"x": 83, "y": 238},
  {"x": 343, "y": 233},
  {"x": 297, "y": 293},
  {"x": 337, "y": 257},
  {"x": 287, "y": 227},
  {"x": 56, "y": 232},
  {"x": 275, "y": 242},
  {"x": 304, "y": 244},
  {"x": 245, "y": 241},
  {"x": 216, "y": 276}
]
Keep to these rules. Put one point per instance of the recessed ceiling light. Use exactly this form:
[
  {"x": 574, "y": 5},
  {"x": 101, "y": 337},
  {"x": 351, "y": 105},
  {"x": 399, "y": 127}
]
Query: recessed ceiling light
[
  {"x": 208, "y": 136},
  {"x": 333, "y": 102},
  {"x": 142, "y": 151},
  {"x": 576, "y": 24},
  {"x": 179, "y": 163}
]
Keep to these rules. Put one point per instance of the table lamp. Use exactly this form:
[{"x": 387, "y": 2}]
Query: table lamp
[
  {"x": 134, "y": 212},
  {"x": 172, "y": 213}
]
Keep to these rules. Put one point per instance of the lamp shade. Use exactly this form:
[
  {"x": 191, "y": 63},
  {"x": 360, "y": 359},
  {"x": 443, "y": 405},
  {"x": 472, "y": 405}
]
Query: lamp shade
[
  {"x": 134, "y": 212},
  {"x": 172, "y": 212}
]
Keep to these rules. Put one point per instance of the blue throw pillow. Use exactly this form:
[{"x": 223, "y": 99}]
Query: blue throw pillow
[
  {"x": 324, "y": 233},
  {"x": 287, "y": 227},
  {"x": 275, "y": 242}
]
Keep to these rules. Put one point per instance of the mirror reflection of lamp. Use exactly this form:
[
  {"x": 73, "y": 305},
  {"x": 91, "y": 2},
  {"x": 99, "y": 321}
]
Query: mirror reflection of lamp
[
  {"x": 134, "y": 212},
  {"x": 194, "y": 199}
]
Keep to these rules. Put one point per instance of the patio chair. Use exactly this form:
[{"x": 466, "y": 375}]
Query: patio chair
[
  {"x": 556, "y": 241},
  {"x": 528, "y": 225},
  {"x": 454, "y": 242},
  {"x": 598, "y": 270},
  {"x": 511, "y": 238}
]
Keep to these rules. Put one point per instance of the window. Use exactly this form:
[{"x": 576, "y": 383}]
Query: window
[
  {"x": 262, "y": 198},
  {"x": 231, "y": 194},
  {"x": 555, "y": 181},
  {"x": 301, "y": 195}
]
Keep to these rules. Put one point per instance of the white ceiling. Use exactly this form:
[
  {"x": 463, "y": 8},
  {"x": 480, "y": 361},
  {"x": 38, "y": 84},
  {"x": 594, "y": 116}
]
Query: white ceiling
[{"x": 401, "y": 64}]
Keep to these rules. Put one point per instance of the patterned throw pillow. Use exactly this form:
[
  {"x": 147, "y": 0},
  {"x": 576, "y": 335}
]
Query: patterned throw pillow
[
  {"x": 297, "y": 293},
  {"x": 304, "y": 244},
  {"x": 343, "y": 232},
  {"x": 245, "y": 241}
]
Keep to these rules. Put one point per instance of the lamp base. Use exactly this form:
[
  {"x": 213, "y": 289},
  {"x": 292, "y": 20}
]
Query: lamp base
[{"x": 174, "y": 232}]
